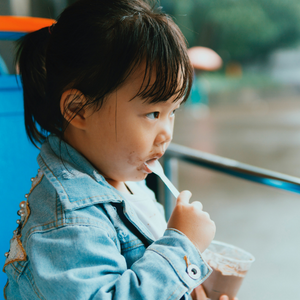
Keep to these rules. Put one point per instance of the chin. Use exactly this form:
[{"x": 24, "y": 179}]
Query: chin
[{"x": 139, "y": 177}]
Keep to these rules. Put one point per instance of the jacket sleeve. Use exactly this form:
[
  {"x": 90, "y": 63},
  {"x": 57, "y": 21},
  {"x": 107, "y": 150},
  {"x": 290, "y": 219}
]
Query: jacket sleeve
[{"x": 84, "y": 262}]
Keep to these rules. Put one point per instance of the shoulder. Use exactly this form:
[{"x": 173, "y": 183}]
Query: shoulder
[
  {"x": 76, "y": 182},
  {"x": 68, "y": 198}
]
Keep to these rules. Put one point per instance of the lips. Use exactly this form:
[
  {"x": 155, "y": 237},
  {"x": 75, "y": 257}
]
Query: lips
[
  {"x": 151, "y": 161},
  {"x": 146, "y": 168},
  {"x": 154, "y": 158}
]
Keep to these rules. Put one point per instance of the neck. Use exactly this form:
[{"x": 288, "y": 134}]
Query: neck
[{"x": 119, "y": 185}]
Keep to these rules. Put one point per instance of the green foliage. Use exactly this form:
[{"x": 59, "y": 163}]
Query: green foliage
[
  {"x": 239, "y": 30},
  {"x": 217, "y": 83}
]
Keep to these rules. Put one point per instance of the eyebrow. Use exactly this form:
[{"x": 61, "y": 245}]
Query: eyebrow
[{"x": 179, "y": 102}]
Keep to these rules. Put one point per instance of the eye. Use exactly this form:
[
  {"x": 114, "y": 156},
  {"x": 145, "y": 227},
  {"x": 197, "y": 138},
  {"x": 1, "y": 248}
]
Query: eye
[
  {"x": 173, "y": 112},
  {"x": 153, "y": 115}
]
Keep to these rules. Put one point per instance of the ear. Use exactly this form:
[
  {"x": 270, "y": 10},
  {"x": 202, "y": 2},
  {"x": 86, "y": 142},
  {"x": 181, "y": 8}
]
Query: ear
[{"x": 71, "y": 107}]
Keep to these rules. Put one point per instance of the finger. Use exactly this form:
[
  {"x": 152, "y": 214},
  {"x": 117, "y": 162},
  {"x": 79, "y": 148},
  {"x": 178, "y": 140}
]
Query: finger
[
  {"x": 200, "y": 294},
  {"x": 184, "y": 197},
  {"x": 207, "y": 214},
  {"x": 224, "y": 297},
  {"x": 197, "y": 204}
]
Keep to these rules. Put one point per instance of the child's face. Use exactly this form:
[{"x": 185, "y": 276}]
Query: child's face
[{"x": 124, "y": 134}]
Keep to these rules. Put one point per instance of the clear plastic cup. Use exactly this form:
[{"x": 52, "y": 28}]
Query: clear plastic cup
[{"x": 230, "y": 264}]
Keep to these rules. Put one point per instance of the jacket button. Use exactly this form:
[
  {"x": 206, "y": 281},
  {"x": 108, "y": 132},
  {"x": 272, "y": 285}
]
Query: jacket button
[
  {"x": 193, "y": 271},
  {"x": 23, "y": 203}
]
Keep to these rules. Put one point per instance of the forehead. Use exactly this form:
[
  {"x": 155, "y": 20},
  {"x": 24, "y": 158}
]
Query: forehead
[{"x": 151, "y": 85}]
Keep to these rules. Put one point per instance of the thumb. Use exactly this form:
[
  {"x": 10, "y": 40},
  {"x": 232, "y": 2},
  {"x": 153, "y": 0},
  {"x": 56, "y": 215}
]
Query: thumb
[
  {"x": 199, "y": 294},
  {"x": 184, "y": 197}
]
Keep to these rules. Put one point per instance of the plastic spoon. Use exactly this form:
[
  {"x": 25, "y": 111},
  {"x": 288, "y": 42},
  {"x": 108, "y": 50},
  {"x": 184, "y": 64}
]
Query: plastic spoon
[{"x": 159, "y": 171}]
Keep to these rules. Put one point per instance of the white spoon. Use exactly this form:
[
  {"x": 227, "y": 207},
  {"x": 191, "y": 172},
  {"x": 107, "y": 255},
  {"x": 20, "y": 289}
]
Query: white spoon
[{"x": 158, "y": 170}]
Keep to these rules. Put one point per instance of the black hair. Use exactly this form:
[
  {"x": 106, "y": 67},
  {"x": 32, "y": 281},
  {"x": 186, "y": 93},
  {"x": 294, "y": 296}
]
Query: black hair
[{"x": 93, "y": 48}]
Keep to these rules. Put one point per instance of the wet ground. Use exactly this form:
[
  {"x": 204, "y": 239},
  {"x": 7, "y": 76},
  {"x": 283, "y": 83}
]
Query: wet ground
[{"x": 262, "y": 220}]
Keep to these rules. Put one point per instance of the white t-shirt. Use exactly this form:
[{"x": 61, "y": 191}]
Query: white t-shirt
[{"x": 144, "y": 203}]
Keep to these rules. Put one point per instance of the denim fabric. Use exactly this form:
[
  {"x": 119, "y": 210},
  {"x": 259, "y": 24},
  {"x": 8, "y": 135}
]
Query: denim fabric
[{"x": 81, "y": 240}]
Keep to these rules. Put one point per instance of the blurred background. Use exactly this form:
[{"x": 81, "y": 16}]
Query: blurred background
[{"x": 246, "y": 108}]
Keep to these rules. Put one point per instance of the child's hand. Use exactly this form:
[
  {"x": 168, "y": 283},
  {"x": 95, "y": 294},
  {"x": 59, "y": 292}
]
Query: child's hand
[
  {"x": 190, "y": 219},
  {"x": 199, "y": 294}
]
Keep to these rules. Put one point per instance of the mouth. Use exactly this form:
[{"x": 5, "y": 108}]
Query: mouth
[{"x": 150, "y": 162}]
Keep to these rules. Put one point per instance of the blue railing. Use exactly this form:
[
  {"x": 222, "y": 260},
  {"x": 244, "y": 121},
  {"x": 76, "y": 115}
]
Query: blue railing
[{"x": 228, "y": 166}]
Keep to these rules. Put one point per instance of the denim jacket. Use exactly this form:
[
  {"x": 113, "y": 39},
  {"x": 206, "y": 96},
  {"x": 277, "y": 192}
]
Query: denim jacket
[{"x": 79, "y": 239}]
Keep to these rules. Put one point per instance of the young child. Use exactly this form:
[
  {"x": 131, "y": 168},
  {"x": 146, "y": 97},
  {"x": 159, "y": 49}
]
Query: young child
[{"x": 101, "y": 87}]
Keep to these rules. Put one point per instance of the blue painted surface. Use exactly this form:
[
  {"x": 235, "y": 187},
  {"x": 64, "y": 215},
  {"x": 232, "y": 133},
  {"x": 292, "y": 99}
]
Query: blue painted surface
[
  {"x": 17, "y": 161},
  {"x": 11, "y": 35},
  {"x": 3, "y": 67}
]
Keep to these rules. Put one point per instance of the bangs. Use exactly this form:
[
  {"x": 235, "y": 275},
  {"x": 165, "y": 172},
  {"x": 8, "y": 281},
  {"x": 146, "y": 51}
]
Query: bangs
[{"x": 162, "y": 49}]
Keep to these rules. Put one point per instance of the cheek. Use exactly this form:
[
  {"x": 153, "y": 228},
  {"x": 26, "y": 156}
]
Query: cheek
[
  {"x": 133, "y": 135},
  {"x": 135, "y": 140},
  {"x": 132, "y": 158},
  {"x": 138, "y": 150},
  {"x": 101, "y": 124}
]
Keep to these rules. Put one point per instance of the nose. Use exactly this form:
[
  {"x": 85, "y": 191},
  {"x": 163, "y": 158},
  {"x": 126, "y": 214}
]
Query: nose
[{"x": 165, "y": 133}]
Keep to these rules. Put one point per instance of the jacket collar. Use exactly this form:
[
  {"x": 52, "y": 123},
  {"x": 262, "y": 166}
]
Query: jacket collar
[{"x": 77, "y": 182}]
